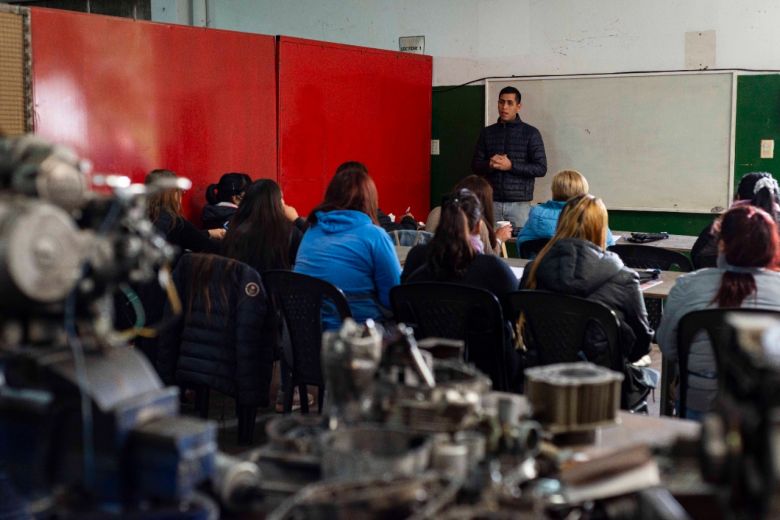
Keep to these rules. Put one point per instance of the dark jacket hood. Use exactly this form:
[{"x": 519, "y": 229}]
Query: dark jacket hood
[
  {"x": 215, "y": 216},
  {"x": 577, "y": 267}
]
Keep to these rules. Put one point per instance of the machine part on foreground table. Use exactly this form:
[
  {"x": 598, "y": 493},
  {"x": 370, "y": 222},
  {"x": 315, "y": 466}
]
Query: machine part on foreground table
[
  {"x": 372, "y": 450},
  {"x": 573, "y": 396},
  {"x": 421, "y": 496}
]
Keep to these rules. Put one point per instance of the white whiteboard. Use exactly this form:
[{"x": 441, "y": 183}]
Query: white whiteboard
[{"x": 653, "y": 142}]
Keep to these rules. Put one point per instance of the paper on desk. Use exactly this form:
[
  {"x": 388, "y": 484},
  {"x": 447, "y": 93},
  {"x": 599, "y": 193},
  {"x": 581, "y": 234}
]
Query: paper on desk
[
  {"x": 649, "y": 284},
  {"x": 518, "y": 271},
  {"x": 617, "y": 237}
]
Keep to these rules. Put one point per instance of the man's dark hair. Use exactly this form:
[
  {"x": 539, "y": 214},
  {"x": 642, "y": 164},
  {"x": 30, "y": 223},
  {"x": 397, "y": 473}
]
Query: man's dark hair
[{"x": 510, "y": 90}]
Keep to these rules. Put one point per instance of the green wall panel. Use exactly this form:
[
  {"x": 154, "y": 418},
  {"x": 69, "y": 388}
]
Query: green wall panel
[
  {"x": 458, "y": 115},
  {"x": 758, "y": 117}
]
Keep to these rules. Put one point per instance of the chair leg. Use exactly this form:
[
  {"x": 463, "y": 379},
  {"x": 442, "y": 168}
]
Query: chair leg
[
  {"x": 246, "y": 424},
  {"x": 202, "y": 401},
  {"x": 289, "y": 389},
  {"x": 320, "y": 398},
  {"x": 304, "y": 395}
]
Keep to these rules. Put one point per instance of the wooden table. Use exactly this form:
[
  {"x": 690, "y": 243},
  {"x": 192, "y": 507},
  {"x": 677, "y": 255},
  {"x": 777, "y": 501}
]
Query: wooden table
[
  {"x": 679, "y": 243},
  {"x": 660, "y": 291},
  {"x": 635, "y": 429}
]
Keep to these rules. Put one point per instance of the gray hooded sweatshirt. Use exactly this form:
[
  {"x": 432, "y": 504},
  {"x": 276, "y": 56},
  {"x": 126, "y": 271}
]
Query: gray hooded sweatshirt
[{"x": 580, "y": 268}]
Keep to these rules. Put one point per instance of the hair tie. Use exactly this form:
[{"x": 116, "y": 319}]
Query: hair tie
[{"x": 766, "y": 182}]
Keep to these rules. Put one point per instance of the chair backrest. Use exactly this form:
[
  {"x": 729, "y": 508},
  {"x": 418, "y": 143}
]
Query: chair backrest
[
  {"x": 221, "y": 335},
  {"x": 448, "y": 310},
  {"x": 651, "y": 257},
  {"x": 530, "y": 248},
  {"x": 556, "y": 325},
  {"x": 724, "y": 347},
  {"x": 410, "y": 237},
  {"x": 300, "y": 299},
  {"x": 702, "y": 261}
]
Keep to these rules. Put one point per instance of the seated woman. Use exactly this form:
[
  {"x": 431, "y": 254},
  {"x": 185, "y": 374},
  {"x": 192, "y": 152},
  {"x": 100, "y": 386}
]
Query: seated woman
[
  {"x": 575, "y": 262},
  {"x": 346, "y": 247},
  {"x": 758, "y": 189},
  {"x": 223, "y": 199},
  {"x": 746, "y": 276},
  {"x": 454, "y": 254},
  {"x": 543, "y": 218},
  {"x": 262, "y": 232},
  {"x": 163, "y": 208},
  {"x": 490, "y": 237}
]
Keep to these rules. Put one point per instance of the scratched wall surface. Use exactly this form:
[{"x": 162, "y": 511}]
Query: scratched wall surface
[{"x": 132, "y": 96}]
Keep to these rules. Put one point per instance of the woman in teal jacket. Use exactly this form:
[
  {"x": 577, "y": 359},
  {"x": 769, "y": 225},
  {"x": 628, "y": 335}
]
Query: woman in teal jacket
[
  {"x": 543, "y": 218},
  {"x": 346, "y": 247}
]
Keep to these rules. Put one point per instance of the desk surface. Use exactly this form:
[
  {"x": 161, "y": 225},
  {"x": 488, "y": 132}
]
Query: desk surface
[
  {"x": 680, "y": 243},
  {"x": 668, "y": 279},
  {"x": 641, "y": 429}
]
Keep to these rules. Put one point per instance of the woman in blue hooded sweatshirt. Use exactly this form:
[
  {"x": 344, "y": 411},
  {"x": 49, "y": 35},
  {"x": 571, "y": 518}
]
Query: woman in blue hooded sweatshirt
[
  {"x": 346, "y": 247},
  {"x": 543, "y": 218}
]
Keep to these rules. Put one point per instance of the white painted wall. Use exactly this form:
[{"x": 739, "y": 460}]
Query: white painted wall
[{"x": 470, "y": 39}]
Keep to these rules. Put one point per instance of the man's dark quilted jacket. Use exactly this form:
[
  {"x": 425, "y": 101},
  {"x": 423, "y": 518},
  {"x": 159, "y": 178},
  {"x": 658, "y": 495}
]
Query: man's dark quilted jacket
[
  {"x": 229, "y": 348},
  {"x": 522, "y": 143}
]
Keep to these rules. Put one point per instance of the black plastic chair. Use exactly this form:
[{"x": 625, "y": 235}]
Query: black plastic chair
[
  {"x": 530, "y": 248},
  {"x": 410, "y": 237},
  {"x": 556, "y": 325},
  {"x": 454, "y": 311},
  {"x": 702, "y": 261},
  {"x": 228, "y": 366},
  {"x": 651, "y": 257},
  {"x": 301, "y": 300},
  {"x": 727, "y": 353}
]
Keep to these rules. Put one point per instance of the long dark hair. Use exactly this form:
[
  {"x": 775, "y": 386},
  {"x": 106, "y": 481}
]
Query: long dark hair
[
  {"x": 350, "y": 188},
  {"x": 484, "y": 192},
  {"x": 750, "y": 239},
  {"x": 259, "y": 232},
  {"x": 766, "y": 197},
  {"x": 450, "y": 252},
  {"x": 229, "y": 185},
  {"x": 203, "y": 277},
  {"x": 163, "y": 201}
]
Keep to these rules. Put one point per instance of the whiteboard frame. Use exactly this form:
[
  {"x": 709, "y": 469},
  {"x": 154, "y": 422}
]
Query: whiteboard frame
[{"x": 732, "y": 137}]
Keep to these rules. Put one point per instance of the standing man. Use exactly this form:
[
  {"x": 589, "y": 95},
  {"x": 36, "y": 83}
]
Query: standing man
[{"x": 510, "y": 154}]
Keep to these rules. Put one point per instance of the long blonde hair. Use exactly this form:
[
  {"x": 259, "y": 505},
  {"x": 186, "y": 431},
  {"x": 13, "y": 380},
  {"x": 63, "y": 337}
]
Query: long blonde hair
[{"x": 583, "y": 217}]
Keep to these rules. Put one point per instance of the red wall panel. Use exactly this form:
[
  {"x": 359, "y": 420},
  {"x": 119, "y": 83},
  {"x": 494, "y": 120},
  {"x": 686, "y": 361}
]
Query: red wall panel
[
  {"x": 340, "y": 103},
  {"x": 132, "y": 96}
]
